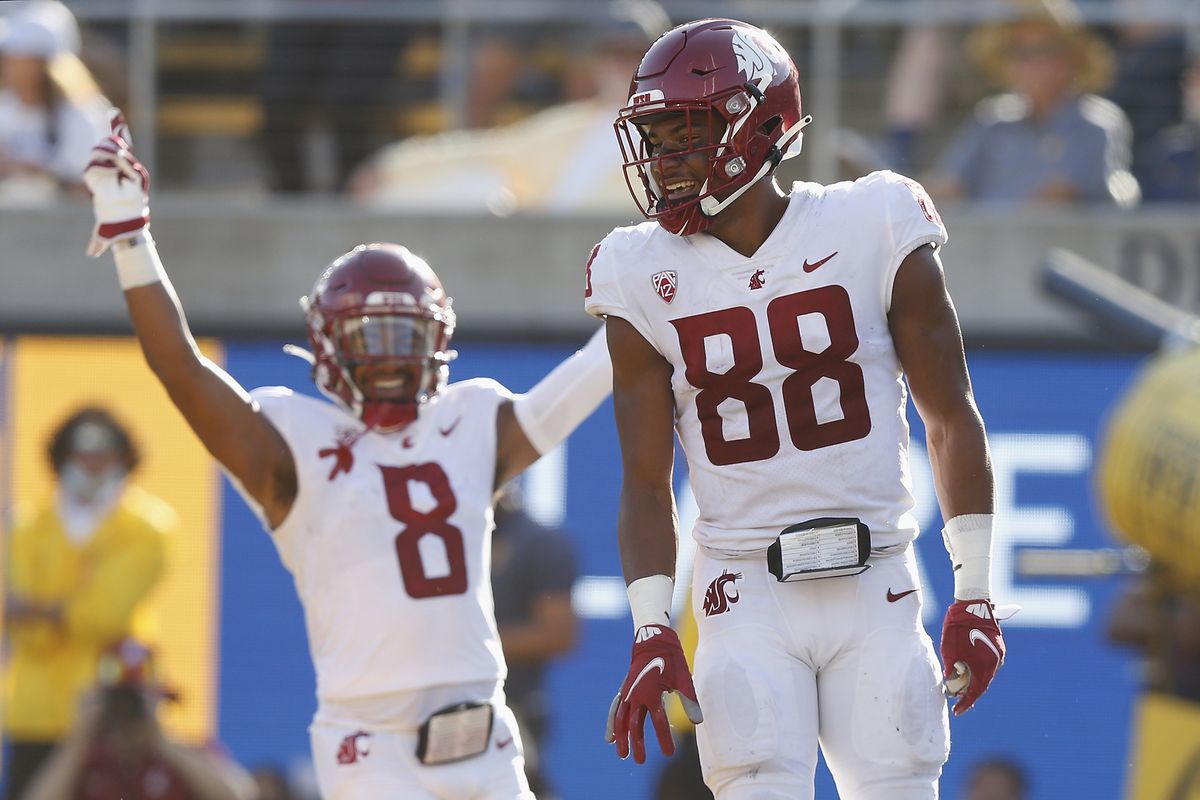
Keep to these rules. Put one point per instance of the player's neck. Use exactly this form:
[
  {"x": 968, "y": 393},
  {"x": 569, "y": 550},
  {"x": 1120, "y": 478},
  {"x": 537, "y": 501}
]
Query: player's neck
[{"x": 750, "y": 219}]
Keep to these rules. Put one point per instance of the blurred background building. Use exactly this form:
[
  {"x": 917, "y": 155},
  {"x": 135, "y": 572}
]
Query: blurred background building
[{"x": 281, "y": 133}]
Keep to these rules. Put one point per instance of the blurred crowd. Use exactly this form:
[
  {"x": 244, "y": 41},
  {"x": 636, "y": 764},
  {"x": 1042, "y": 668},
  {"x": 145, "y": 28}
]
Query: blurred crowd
[{"x": 1037, "y": 105}]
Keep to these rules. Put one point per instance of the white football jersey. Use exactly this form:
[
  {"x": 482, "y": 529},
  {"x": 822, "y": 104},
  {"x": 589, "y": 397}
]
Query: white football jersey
[
  {"x": 389, "y": 541},
  {"x": 789, "y": 398}
]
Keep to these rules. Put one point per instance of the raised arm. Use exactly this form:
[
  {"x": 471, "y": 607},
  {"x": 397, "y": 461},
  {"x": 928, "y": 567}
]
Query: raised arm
[
  {"x": 929, "y": 344},
  {"x": 535, "y": 422},
  {"x": 220, "y": 411}
]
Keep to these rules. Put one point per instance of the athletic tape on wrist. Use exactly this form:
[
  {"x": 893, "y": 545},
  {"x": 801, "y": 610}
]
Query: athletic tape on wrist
[
  {"x": 968, "y": 539},
  {"x": 650, "y": 600},
  {"x": 137, "y": 261}
]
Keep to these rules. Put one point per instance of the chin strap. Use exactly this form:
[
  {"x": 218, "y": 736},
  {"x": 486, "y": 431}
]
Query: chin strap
[
  {"x": 711, "y": 206},
  {"x": 300, "y": 353}
]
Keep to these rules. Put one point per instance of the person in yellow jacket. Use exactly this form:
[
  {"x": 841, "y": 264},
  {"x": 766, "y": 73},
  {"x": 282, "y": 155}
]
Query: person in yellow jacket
[{"x": 78, "y": 569}]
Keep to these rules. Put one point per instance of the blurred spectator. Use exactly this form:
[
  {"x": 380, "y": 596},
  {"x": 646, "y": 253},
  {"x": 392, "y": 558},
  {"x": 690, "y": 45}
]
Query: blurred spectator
[
  {"x": 118, "y": 751},
  {"x": 337, "y": 76},
  {"x": 997, "y": 779},
  {"x": 914, "y": 92},
  {"x": 51, "y": 111},
  {"x": 1171, "y": 160},
  {"x": 1151, "y": 60},
  {"x": 533, "y": 570},
  {"x": 503, "y": 71},
  {"x": 77, "y": 571},
  {"x": 1048, "y": 139},
  {"x": 1163, "y": 623},
  {"x": 562, "y": 160},
  {"x": 272, "y": 783},
  {"x": 681, "y": 777}
]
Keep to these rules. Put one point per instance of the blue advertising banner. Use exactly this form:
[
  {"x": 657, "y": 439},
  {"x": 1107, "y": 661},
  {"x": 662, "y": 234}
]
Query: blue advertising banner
[{"x": 1061, "y": 706}]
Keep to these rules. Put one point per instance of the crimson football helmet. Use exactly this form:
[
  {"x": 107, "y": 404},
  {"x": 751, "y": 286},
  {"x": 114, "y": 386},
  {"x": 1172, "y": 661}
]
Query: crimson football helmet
[
  {"x": 707, "y": 69},
  {"x": 379, "y": 325}
]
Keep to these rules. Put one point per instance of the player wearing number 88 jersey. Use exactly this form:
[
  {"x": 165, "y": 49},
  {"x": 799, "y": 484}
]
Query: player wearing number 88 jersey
[
  {"x": 379, "y": 503},
  {"x": 779, "y": 334},
  {"x": 799, "y": 375}
]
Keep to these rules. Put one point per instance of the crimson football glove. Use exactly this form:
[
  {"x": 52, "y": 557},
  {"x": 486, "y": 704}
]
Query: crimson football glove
[
  {"x": 656, "y": 668},
  {"x": 972, "y": 650},
  {"x": 119, "y": 186}
]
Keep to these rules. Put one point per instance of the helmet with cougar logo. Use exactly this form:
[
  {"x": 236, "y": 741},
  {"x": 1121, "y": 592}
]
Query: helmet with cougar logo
[{"x": 724, "y": 74}]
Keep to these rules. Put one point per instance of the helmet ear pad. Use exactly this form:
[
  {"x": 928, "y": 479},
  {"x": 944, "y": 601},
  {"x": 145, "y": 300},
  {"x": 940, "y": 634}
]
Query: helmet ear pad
[{"x": 380, "y": 307}]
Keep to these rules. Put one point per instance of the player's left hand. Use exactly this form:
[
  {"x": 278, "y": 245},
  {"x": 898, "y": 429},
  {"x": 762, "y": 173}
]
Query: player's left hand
[
  {"x": 120, "y": 188},
  {"x": 657, "y": 667},
  {"x": 972, "y": 650}
]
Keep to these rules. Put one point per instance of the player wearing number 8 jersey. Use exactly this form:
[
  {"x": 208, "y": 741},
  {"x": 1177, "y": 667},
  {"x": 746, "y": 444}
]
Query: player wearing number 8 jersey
[
  {"x": 780, "y": 334},
  {"x": 379, "y": 503}
]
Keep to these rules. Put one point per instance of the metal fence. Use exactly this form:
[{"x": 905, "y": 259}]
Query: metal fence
[{"x": 825, "y": 24}]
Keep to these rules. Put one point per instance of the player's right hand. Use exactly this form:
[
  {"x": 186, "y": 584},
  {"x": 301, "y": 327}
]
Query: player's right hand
[
  {"x": 657, "y": 667},
  {"x": 120, "y": 188}
]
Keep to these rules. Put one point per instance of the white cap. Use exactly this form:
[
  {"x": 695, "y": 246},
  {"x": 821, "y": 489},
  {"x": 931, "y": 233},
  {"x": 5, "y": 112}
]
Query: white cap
[{"x": 42, "y": 29}]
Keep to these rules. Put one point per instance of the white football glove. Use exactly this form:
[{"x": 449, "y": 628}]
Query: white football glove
[{"x": 119, "y": 186}]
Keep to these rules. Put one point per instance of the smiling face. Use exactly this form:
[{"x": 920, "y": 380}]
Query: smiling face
[
  {"x": 392, "y": 357},
  {"x": 680, "y": 145},
  {"x": 390, "y": 382}
]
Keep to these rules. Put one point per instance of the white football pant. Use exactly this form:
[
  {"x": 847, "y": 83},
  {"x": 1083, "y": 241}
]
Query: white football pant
[{"x": 843, "y": 661}]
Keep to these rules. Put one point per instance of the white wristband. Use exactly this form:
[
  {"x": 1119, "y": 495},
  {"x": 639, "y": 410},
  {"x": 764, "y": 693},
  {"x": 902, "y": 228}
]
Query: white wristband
[
  {"x": 650, "y": 600},
  {"x": 968, "y": 539},
  {"x": 137, "y": 261}
]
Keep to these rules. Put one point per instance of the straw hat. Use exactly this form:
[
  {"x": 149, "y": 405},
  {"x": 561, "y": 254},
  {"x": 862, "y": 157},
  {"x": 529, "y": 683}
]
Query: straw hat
[{"x": 988, "y": 45}]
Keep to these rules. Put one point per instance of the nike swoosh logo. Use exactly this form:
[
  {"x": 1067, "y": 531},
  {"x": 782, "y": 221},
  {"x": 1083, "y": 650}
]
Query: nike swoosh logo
[
  {"x": 892, "y": 597},
  {"x": 654, "y": 663},
  {"x": 977, "y": 635},
  {"x": 503, "y": 744},
  {"x": 810, "y": 267},
  {"x": 450, "y": 430}
]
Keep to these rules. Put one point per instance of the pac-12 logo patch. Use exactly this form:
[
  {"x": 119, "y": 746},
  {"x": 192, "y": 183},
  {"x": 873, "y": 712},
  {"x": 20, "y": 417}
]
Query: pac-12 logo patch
[{"x": 665, "y": 283}]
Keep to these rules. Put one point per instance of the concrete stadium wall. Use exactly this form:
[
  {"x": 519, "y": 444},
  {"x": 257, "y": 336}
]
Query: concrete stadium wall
[{"x": 241, "y": 267}]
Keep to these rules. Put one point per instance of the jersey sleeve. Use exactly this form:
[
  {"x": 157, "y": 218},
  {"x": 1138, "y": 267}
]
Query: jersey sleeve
[
  {"x": 281, "y": 408},
  {"x": 911, "y": 221},
  {"x": 486, "y": 394},
  {"x": 603, "y": 294},
  {"x": 478, "y": 400}
]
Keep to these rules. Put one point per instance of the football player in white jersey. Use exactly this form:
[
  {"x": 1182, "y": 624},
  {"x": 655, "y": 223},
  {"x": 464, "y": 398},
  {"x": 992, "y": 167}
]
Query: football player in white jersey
[
  {"x": 779, "y": 334},
  {"x": 379, "y": 503}
]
